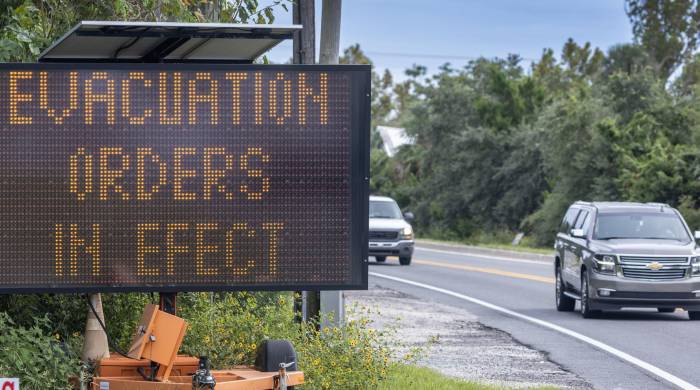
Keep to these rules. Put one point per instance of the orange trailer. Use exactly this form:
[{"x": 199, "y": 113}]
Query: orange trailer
[{"x": 152, "y": 363}]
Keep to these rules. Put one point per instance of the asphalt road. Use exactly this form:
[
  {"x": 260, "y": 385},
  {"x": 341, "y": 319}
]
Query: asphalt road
[{"x": 668, "y": 343}]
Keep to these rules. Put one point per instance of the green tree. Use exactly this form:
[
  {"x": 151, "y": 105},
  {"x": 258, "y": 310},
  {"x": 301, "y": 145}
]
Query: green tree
[
  {"x": 577, "y": 157},
  {"x": 27, "y": 27},
  {"x": 667, "y": 30},
  {"x": 628, "y": 58},
  {"x": 481, "y": 167}
]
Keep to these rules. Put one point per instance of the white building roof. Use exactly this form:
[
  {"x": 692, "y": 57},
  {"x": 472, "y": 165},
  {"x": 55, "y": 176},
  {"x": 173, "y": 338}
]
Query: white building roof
[{"x": 393, "y": 138}]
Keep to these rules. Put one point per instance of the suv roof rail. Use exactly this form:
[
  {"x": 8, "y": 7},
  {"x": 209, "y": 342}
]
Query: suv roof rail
[{"x": 658, "y": 204}]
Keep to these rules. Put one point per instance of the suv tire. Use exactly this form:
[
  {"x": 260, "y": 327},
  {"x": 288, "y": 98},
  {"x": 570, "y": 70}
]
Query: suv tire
[
  {"x": 694, "y": 315},
  {"x": 405, "y": 260},
  {"x": 380, "y": 259},
  {"x": 562, "y": 301},
  {"x": 586, "y": 311}
]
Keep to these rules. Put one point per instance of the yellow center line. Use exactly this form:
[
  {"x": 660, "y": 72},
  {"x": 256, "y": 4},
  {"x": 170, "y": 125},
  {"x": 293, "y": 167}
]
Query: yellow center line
[{"x": 493, "y": 271}]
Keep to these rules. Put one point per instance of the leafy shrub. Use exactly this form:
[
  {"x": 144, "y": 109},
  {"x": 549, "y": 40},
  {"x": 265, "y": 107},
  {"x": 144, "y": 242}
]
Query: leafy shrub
[
  {"x": 66, "y": 313},
  {"x": 34, "y": 356},
  {"x": 542, "y": 225},
  {"x": 228, "y": 327},
  {"x": 353, "y": 356},
  {"x": 122, "y": 313},
  {"x": 690, "y": 212}
]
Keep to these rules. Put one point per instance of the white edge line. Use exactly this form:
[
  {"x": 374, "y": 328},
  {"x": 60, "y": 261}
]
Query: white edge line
[
  {"x": 538, "y": 262},
  {"x": 598, "y": 344}
]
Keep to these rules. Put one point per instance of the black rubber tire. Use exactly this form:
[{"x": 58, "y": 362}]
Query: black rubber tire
[
  {"x": 271, "y": 353},
  {"x": 586, "y": 311},
  {"x": 694, "y": 315},
  {"x": 665, "y": 309},
  {"x": 380, "y": 259},
  {"x": 561, "y": 300},
  {"x": 405, "y": 260}
]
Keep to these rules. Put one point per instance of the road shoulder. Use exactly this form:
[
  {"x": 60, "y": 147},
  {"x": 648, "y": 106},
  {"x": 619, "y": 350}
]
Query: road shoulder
[{"x": 457, "y": 345}]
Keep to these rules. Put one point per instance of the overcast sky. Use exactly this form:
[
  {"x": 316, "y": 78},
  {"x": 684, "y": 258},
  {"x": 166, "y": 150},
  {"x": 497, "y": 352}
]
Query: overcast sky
[{"x": 398, "y": 33}]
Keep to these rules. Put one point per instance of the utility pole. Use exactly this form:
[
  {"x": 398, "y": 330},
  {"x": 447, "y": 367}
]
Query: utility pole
[
  {"x": 330, "y": 32},
  {"x": 307, "y": 304},
  {"x": 332, "y": 302},
  {"x": 304, "y": 13}
]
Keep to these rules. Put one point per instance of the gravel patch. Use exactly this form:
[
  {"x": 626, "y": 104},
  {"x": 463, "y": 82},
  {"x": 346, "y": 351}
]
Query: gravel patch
[{"x": 456, "y": 344}]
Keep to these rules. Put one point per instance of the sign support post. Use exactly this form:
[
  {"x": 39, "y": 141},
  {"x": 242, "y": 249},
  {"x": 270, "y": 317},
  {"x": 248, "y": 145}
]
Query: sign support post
[
  {"x": 307, "y": 303},
  {"x": 168, "y": 302},
  {"x": 95, "y": 346},
  {"x": 332, "y": 302}
]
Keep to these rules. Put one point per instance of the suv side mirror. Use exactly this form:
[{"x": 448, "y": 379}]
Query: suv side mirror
[
  {"x": 697, "y": 234},
  {"x": 578, "y": 233},
  {"x": 408, "y": 216}
]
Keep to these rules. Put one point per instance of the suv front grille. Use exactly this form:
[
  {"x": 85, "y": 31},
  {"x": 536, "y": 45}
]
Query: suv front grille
[
  {"x": 638, "y": 267},
  {"x": 662, "y": 274},
  {"x": 383, "y": 235}
]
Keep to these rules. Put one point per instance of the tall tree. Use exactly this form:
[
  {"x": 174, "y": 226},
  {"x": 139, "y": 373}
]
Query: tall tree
[{"x": 668, "y": 30}]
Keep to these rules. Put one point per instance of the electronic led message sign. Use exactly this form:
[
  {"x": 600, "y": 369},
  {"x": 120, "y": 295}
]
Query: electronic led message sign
[{"x": 152, "y": 177}]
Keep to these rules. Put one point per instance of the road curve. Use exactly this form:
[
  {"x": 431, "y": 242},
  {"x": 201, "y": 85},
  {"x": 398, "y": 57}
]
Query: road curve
[{"x": 668, "y": 343}]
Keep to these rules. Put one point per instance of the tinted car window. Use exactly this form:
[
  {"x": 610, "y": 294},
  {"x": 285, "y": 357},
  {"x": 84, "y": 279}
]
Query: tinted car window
[
  {"x": 569, "y": 220},
  {"x": 661, "y": 226}
]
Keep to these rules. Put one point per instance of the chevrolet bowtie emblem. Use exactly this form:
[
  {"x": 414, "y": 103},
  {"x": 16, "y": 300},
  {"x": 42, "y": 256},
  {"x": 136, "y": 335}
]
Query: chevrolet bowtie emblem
[{"x": 655, "y": 266}]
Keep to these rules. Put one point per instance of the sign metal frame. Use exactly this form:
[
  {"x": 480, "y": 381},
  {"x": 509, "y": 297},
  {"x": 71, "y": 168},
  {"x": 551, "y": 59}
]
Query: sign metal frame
[{"x": 360, "y": 111}]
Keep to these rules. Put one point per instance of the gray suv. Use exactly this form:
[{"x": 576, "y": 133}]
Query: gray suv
[
  {"x": 612, "y": 255},
  {"x": 390, "y": 231}
]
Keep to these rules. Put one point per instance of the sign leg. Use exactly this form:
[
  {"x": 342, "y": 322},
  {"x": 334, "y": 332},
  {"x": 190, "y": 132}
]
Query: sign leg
[{"x": 95, "y": 346}]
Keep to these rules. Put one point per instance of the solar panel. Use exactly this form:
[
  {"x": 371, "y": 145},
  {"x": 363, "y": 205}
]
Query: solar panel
[{"x": 101, "y": 41}]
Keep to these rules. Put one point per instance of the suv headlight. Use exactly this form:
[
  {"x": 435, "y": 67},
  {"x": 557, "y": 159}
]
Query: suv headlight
[
  {"x": 407, "y": 233},
  {"x": 695, "y": 266},
  {"x": 605, "y": 264}
]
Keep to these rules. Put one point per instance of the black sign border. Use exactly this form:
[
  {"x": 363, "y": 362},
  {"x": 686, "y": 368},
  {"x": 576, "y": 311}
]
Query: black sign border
[{"x": 360, "y": 119}]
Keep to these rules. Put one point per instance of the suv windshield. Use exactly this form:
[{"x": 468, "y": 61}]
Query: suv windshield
[
  {"x": 384, "y": 209},
  {"x": 640, "y": 225}
]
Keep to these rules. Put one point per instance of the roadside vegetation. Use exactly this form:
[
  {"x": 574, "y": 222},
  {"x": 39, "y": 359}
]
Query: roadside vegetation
[
  {"x": 413, "y": 377},
  {"x": 493, "y": 242},
  {"x": 501, "y": 145},
  {"x": 44, "y": 352}
]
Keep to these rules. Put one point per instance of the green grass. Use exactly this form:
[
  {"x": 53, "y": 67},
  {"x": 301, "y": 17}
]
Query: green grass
[
  {"x": 523, "y": 247},
  {"x": 403, "y": 376}
]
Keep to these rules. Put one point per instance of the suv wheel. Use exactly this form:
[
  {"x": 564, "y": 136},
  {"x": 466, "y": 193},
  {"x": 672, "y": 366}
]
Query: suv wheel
[
  {"x": 586, "y": 311},
  {"x": 380, "y": 259},
  {"x": 694, "y": 315},
  {"x": 405, "y": 260},
  {"x": 563, "y": 302}
]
